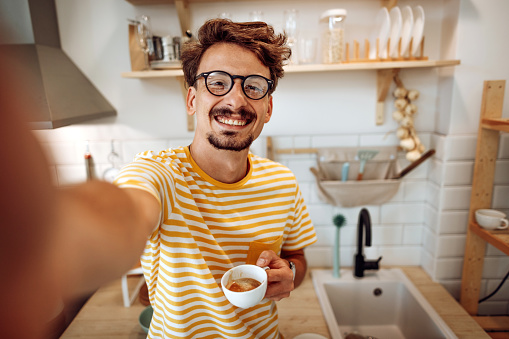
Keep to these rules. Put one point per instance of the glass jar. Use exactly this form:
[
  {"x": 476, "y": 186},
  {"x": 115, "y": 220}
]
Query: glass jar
[{"x": 333, "y": 35}]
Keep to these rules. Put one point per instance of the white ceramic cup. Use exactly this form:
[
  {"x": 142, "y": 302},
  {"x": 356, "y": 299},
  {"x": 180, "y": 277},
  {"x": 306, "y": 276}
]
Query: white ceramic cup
[
  {"x": 491, "y": 219},
  {"x": 249, "y": 298}
]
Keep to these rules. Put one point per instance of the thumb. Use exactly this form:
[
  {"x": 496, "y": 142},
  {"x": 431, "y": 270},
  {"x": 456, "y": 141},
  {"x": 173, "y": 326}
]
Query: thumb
[{"x": 265, "y": 258}]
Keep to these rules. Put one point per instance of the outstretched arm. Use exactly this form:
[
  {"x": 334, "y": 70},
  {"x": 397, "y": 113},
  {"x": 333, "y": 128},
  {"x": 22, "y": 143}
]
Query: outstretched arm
[{"x": 101, "y": 232}]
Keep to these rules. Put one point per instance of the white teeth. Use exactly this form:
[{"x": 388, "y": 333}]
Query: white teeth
[{"x": 231, "y": 122}]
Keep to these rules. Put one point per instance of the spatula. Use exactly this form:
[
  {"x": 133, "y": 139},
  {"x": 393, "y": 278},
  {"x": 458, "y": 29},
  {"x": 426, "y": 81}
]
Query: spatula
[{"x": 364, "y": 156}]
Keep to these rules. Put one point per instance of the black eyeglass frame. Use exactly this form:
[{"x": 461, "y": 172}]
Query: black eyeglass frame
[{"x": 204, "y": 75}]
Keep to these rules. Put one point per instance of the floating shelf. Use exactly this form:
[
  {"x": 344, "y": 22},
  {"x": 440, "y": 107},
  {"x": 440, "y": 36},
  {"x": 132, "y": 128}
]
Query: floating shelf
[{"x": 168, "y": 73}]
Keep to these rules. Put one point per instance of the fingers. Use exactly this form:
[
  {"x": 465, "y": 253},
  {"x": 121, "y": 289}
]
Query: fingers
[
  {"x": 266, "y": 258},
  {"x": 279, "y": 277}
]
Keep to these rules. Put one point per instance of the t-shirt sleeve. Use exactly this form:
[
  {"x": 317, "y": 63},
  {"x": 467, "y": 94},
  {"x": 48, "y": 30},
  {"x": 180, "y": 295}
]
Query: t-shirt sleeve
[
  {"x": 144, "y": 174},
  {"x": 302, "y": 233}
]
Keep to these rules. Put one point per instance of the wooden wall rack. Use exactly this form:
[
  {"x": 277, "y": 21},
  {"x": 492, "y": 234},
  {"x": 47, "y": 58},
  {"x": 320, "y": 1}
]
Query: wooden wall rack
[{"x": 491, "y": 123}]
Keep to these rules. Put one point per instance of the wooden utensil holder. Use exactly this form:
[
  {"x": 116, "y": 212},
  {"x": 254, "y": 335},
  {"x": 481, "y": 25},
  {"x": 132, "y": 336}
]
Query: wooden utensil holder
[
  {"x": 419, "y": 55},
  {"x": 138, "y": 58}
]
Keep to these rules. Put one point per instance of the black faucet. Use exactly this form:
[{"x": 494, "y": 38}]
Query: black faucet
[{"x": 360, "y": 264}]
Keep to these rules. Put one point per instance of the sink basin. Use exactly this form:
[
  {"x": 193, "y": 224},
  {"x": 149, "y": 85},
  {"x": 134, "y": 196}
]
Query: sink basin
[{"x": 383, "y": 304}]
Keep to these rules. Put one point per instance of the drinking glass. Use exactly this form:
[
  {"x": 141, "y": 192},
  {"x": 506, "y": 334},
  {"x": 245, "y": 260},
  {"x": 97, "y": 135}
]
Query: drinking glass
[
  {"x": 256, "y": 16},
  {"x": 307, "y": 49},
  {"x": 291, "y": 29},
  {"x": 224, "y": 15},
  {"x": 144, "y": 34}
]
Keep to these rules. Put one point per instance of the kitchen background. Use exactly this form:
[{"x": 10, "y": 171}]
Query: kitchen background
[{"x": 423, "y": 224}]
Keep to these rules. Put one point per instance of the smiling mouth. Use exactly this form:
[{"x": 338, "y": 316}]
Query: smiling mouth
[
  {"x": 231, "y": 122},
  {"x": 227, "y": 117}
]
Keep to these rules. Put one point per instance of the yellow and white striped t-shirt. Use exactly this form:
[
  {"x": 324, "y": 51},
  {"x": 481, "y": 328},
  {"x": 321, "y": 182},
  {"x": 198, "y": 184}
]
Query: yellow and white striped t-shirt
[{"x": 208, "y": 227}]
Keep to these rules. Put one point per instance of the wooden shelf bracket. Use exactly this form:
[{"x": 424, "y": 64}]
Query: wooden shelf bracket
[{"x": 384, "y": 79}]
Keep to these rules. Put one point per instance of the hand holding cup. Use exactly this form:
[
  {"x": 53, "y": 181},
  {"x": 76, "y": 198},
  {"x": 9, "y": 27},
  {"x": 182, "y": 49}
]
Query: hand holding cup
[{"x": 245, "y": 285}]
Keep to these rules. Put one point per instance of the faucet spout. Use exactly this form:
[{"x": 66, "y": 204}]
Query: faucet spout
[{"x": 361, "y": 264}]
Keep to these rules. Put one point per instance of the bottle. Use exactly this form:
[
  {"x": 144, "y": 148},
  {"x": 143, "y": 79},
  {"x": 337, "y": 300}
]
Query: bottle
[{"x": 333, "y": 35}]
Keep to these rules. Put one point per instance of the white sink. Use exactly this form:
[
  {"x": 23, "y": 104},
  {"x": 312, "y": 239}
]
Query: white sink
[{"x": 383, "y": 304}]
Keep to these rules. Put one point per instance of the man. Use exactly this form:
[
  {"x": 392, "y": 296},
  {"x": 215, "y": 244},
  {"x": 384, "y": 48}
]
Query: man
[{"x": 212, "y": 205}]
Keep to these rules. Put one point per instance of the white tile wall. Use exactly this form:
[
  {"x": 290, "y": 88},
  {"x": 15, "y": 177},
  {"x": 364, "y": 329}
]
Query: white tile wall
[
  {"x": 458, "y": 173},
  {"x": 413, "y": 235},
  {"x": 451, "y": 246},
  {"x": 449, "y": 268},
  {"x": 460, "y": 147},
  {"x": 455, "y": 197},
  {"x": 453, "y": 222}
]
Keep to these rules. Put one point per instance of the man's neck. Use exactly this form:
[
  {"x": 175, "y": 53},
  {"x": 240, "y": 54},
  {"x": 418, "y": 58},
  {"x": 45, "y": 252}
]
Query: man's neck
[{"x": 225, "y": 166}]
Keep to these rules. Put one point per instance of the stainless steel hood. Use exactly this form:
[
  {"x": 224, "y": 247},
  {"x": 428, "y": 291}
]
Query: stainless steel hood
[{"x": 55, "y": 91}]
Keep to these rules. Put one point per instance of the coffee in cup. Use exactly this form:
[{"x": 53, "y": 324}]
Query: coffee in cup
[
  {"x": 491, "y": 219},
  {"x": 245, "y": 285}
]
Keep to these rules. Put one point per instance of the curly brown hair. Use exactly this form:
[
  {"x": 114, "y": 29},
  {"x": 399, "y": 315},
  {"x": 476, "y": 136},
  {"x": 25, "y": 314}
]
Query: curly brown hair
[{"x": 258, "y": 37}]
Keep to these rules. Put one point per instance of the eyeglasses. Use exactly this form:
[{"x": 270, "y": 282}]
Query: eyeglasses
[{"x": 219, "y": 83}]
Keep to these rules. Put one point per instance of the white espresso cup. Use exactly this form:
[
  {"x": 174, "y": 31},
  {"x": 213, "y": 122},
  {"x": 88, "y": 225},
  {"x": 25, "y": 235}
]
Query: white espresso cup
[
  {"x": 491, "y": 219},
  {"x": 249, "y": 298}
]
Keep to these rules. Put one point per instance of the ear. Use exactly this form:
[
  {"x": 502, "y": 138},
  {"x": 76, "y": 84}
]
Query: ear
[
  {"x": 268, "y": 114},
  {"x": 191, "y": 100}
]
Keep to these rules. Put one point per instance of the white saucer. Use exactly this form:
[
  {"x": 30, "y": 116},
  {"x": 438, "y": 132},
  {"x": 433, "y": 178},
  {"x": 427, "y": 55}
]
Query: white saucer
[
  {"x": 406, "y": 29},
  {"x": 396, "y": 23},
  {"x": 309, "y": 336},
  {"x": 381, "y": 32},
  {"x": 418, "y": 28}
]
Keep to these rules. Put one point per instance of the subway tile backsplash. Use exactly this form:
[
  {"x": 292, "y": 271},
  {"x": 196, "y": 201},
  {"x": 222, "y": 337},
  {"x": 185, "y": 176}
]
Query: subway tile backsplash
[{"x": 424, "y": 224}]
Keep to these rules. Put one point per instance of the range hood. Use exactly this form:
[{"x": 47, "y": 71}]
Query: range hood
[{"x": 55, "y": 91}]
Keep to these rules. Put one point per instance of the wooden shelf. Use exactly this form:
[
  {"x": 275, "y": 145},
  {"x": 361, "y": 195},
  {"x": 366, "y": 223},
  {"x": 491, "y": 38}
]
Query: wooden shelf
[
  {"x": 499, "y": 239},
  {"x": 490, "y": 124},
  {"x": 501, "y": 125},
  {"x": 358, "y": 66}
]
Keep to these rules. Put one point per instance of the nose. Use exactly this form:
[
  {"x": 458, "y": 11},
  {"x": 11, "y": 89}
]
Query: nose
[{"x": 236, "y": 97}]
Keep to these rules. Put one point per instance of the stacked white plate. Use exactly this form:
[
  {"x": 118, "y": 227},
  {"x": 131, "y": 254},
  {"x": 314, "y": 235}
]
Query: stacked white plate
[
  {"x": 406, "y": 29},
  {"x": 380, "y": 31},
  {"x": 418, "y": 29},
  {"x": 396, "y": 23},
  {"x": 405, "y": 24}
]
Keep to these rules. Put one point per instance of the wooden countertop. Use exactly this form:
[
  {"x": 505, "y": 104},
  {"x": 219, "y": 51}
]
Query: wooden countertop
[{"x": 104, "y": 316}]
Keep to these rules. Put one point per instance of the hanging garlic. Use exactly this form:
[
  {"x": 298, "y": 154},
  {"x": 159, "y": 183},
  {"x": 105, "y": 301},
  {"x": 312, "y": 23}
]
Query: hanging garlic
[
  {"x": 407, "y": 144},
  {"x": 413, "y": 94},
  {"x": 407, "y": 122},
  {"x": 400, "y": 103},
  {"x": 404, "y": 113},
  {"x": 411, "y": 109},
  {"x": 400, "y": 92},
  {"x": 413, "y": 155},
  {"x": 398, "y": 116},
  {"x": 402, "y": 133}
]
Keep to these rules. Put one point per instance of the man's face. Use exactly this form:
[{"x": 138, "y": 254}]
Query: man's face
[{"x": 233, "y": 121}]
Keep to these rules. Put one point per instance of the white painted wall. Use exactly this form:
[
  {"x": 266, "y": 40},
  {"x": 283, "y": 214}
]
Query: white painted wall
[{"x": 424, "y": 224}]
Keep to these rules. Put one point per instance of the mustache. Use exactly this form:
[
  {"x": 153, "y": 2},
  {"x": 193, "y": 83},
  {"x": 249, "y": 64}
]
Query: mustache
[{"x": 244, "y": 113}]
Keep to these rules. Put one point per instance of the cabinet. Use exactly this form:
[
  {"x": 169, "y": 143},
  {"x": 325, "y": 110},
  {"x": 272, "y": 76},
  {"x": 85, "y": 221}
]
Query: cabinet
[
  {"x": 490, "y": 126},
  {"x": 386, "y": 70}
]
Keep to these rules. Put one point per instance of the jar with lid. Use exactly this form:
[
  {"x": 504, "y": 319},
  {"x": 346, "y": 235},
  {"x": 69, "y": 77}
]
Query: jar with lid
[{"x": 333, "y": 33}]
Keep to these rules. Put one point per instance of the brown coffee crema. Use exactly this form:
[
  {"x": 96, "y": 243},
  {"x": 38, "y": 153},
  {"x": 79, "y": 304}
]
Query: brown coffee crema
[{"x": 243, "y": 285}]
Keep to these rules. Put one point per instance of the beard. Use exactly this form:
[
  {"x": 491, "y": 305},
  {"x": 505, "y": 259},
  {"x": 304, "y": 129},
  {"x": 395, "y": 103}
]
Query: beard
[{"x": 230, "y": 140}]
